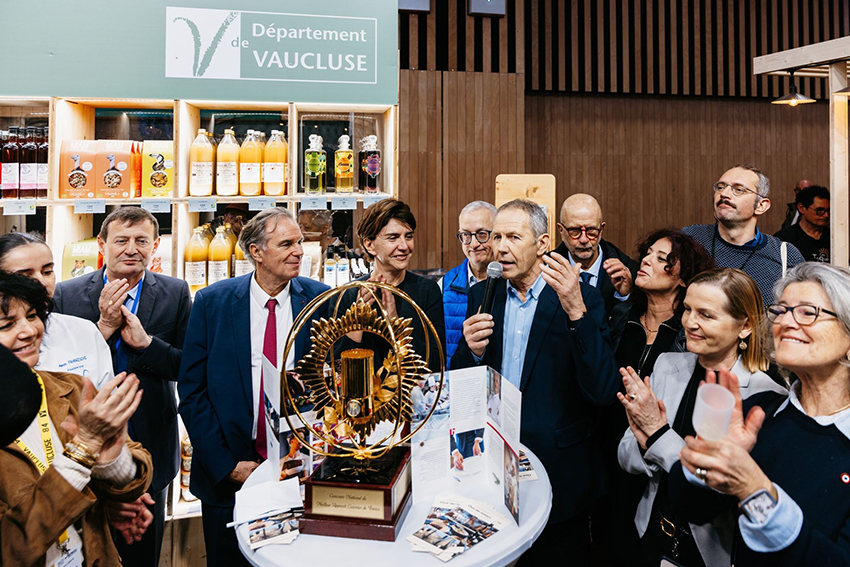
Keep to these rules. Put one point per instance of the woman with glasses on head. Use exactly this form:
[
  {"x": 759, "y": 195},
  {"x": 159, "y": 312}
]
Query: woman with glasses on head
[
  {"x": 785, "y": 468},
  {"x": 723, "y": 319},
  {"x": 74, "y": 457},
  {"x": 70, "y": 344}
]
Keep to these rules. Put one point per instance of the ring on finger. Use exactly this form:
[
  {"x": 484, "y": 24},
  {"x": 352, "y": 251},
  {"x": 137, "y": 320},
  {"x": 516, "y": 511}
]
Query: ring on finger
[
  {"x": 110, "y": 303},
  {"x": 632, "y": 396},
  {"x": 701, "y": 474}
]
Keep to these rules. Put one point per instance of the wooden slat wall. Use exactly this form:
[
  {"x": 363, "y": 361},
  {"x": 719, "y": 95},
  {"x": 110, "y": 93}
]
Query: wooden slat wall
[
  {"x": 457, "y": 132},
  {"x": 447, "y": 39},
  {"x": 650, "y": 161},
  {"x": 675, "y": 47}
]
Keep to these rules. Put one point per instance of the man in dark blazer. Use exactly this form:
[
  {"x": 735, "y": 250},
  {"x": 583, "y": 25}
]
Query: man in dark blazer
[
  {"x": 557, "y": 353},
  {"x": 220, "y": 375},
  {"x": 143, "y": 317},
  {"x": 603, "y": 265}
]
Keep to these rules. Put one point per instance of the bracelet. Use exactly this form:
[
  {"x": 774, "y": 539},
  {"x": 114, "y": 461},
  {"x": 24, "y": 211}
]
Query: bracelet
[{"x": 80, "y": 454}]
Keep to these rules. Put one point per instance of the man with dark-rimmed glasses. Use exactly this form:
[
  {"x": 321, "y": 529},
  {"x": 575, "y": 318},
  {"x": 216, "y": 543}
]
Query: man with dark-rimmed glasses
[
  {"x": 475, "y": 225},
  {"x": 603, "y": 265},
  {"x": 741, "y": 196},
  {"x": 811, "y": 234}
]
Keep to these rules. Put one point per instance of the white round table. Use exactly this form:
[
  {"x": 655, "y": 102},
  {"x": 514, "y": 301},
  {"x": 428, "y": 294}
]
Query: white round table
[{"x": 535, "y": 497}]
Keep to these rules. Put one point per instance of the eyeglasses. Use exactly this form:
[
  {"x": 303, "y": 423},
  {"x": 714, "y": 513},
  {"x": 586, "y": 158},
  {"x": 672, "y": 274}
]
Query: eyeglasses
[
  {"x": 574, "y": 232},
  {"x": 481, "y": 236},
  {"x": 803, "y": 314},
  {"x": 821, "y": 211},
  {"x": 737, "y": 188}
]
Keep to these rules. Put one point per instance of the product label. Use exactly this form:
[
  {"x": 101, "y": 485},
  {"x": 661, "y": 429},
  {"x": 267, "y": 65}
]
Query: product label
[
  {"x": 315, "y": 164},
  {"x": 249, "y": 172},
  {"x": 342, "y": 272},
  {"x": 273, "y": 172},
  {"x": 330, "y": 274},
  {"x": 195, "y": 273},
  {"x": 9, "y": 179},
  {"x": 227, "y": 174},
  {"x": 373, "y": 165},
  {"x": 345, "y": 165},
  {"x": 218, "y": 271},
  {"x": 202, "y": 173},
  {"x": 29, "y": 176},
  {"x": 42, "y": 176},
  {"x": 242, "y": 267}
]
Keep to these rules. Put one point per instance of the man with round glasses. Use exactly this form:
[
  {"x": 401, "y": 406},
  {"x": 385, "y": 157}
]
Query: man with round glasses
[
  {"x": 811, "y": 234},
  {"x": 741, "y": 196},
  {"x": 603, "y": 265},
  {"x": 475, "y": 225}
]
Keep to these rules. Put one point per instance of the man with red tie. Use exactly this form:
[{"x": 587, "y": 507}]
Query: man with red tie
[{"x": 235, "y": 323}]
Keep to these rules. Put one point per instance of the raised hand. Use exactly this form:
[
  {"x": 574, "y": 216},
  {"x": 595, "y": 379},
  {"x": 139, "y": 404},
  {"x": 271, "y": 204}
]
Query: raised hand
[
  {"x": 564, "y": 279},
  {"x": 621, "y": 277}
]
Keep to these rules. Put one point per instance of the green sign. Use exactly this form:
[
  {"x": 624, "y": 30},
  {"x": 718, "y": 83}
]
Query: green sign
[{"x": 324, "y": 51}]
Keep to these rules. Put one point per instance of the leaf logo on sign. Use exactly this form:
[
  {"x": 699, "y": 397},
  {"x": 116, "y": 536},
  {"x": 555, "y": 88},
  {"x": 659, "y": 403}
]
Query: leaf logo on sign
[{"x": 200, "y": 65}]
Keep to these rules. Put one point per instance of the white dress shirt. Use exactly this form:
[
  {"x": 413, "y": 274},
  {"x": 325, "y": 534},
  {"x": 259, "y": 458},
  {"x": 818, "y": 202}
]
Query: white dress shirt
[{"x": 259, "y": 316}]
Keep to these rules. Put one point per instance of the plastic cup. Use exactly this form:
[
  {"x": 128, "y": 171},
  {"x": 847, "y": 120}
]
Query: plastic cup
[{"x": 713, "y": 411}]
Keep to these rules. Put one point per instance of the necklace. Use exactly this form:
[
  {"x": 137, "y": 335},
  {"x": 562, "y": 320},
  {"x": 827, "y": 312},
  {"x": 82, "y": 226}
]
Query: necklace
[
  {"x": 839, "y": 410},
  {"x": 645, "y": 328}
]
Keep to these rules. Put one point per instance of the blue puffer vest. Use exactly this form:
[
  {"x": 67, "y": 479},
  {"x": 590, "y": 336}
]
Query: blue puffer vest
[{"x": 455, "y": 292}]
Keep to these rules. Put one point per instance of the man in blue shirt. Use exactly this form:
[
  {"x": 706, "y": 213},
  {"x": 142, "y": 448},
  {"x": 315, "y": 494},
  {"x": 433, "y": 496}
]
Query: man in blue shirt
[{"x": 547, "y": 335}]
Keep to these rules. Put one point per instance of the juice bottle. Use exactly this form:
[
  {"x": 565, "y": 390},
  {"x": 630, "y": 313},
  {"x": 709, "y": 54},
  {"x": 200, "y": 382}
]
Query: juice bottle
[
  {"x": 29, "y": 165},
  {"x": 219, "y": 257},
  {"x": 9, "y": 158},
  {"x": 344, "y": 166},
  {"x": 243, "y": 266},
  {"x": 43, "y": 173},
  {"x": 202, "y": 158},
  {"x": 250, "y": 163},
  {"x": 275, "y": 160},
  {"x": 231, "y": 237},
  {"x": 315, "y": 167},
  {"x": 227, "y": 165},
  {"x": 195, "y": 267}
]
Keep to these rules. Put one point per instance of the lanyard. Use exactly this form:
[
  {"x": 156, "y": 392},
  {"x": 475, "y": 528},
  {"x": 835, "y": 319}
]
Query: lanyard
[{"x": 44, "y": 428}]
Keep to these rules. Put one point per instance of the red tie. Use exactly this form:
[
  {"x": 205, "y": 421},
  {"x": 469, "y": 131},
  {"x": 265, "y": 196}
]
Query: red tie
[{"x": 270, "y": 352}]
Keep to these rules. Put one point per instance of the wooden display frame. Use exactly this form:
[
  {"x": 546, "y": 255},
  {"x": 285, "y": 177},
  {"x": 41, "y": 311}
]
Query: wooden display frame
[{"x": 73, "y": 118}]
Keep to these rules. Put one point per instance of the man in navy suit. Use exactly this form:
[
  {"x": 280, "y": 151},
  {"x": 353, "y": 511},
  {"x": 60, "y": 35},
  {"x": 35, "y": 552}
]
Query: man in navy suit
[
  {"x": 547, "y": 335},
  {"x": 233, "y": 325},
  {"x": 143, "y": 317}
]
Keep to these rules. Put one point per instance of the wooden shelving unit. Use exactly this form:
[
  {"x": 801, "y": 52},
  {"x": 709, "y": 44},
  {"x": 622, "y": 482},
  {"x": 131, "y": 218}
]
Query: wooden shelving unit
[{"x": 74, "y": 119}]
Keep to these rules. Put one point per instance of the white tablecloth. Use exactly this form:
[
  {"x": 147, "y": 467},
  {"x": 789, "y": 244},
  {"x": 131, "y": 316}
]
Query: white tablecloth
[{"x": 501, "y": 549}]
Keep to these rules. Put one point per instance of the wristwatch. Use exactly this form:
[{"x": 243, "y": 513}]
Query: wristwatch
[{"x": 757, "y": 506}]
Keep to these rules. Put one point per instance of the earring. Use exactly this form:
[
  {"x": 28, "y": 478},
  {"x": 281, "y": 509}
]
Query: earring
[{"x": 742, "y": 345}]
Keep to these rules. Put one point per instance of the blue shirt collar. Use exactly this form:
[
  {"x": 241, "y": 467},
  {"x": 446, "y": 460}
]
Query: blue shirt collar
[
  {"x": 840, "y": 420},
  {"x": 594, "y": 269},
  {"x": 755, "y": 242},
  {"x": 534, "y": 292}
]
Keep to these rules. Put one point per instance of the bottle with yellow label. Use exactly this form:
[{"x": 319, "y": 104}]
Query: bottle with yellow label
[
  {"x": 243, "y": 266},
  {"x": 227, "y": 165},
  {"x": 202, "y": 162},
  {"x": 219, "y": 256},
  {"x": 250, "y": 164},
  {"x": 195, "y": 256},
  {"x": 344, "y": 166},
  {"x": 275, "y": 160},
  {"x": 315, "y": 167}
]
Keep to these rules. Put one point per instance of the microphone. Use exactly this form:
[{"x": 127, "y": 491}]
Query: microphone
[{"x": 494, "y": 273}]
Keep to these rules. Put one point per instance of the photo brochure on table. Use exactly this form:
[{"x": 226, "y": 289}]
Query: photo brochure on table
[{"x": 476, "y": 423}]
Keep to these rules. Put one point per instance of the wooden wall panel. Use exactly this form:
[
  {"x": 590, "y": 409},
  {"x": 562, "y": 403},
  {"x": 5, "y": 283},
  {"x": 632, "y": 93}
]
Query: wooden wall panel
[
  {"x": 650, "y": 161},
  {"x": 672, "y": 47},
  {"x": 457, "y": 132}
]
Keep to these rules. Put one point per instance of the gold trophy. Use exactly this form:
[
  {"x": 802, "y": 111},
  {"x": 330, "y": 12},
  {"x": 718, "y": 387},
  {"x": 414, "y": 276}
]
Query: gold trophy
[{"x": 362, "y": 488}]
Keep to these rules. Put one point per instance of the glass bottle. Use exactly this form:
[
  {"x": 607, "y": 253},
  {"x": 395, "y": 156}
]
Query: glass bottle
[
  {"x": 231, "y": 237},
  {"x": 195, "y": 266},
  {"x": 343, "y": 266},
  {"x": 219, "y": 257},
  {"x": 370, "y": 165},
  {"x": 227, "y": 165},
  {"x": 243, "y": 266},
  {"x": 275, "y": 158},
  {"x": 344, "y": 166},
  {"x": 250, "y": 164},
  {"x": 28, "y": 181},
  {"x": 42, "y": 177},
  {"x": 329, "y": 278},
  {"x": 9, "y": 158},
  {"x": 315, "y": 164},
  {"x": 202, "y": 160}
]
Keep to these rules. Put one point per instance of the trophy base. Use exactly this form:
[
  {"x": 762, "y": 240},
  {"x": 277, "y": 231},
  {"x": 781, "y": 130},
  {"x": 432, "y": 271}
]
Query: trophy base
[{"x": 358, "y": 499}]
